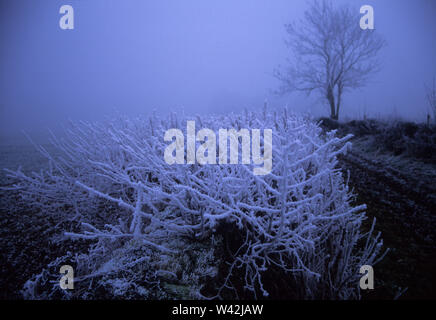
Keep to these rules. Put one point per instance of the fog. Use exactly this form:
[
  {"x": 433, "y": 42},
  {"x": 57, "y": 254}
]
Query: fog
[{"x": 192, "y": 56}]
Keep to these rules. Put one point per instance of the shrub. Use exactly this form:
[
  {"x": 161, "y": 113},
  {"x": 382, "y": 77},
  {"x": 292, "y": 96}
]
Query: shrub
[{"x": 143, "y": 214}]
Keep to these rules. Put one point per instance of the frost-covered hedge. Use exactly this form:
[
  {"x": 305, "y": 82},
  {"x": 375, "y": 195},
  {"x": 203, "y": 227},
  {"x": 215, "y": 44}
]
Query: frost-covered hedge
[{"x": 154, "y": 229}]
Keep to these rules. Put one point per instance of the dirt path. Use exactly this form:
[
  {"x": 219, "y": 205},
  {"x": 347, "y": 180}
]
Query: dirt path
[{"x": 404, "y": 204}]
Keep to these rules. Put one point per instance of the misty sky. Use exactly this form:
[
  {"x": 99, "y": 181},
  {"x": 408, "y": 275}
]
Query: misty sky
[{"x": 201, "y": 56}]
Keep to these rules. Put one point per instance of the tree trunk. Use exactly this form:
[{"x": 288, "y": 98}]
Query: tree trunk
[
  {"x": 331, "y": 100},
  {"x": 333, "y": 114},
  {"x": 338, "y": 99}
]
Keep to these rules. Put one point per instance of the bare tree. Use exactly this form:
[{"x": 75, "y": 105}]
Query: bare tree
[
  {"x": 431, "y": 97},
  {"x": 331, "y": 53}
]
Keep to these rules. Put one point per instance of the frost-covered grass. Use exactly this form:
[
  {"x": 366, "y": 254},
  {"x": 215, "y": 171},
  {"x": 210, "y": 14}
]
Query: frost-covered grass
[{"x": 155, "y": 230}]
